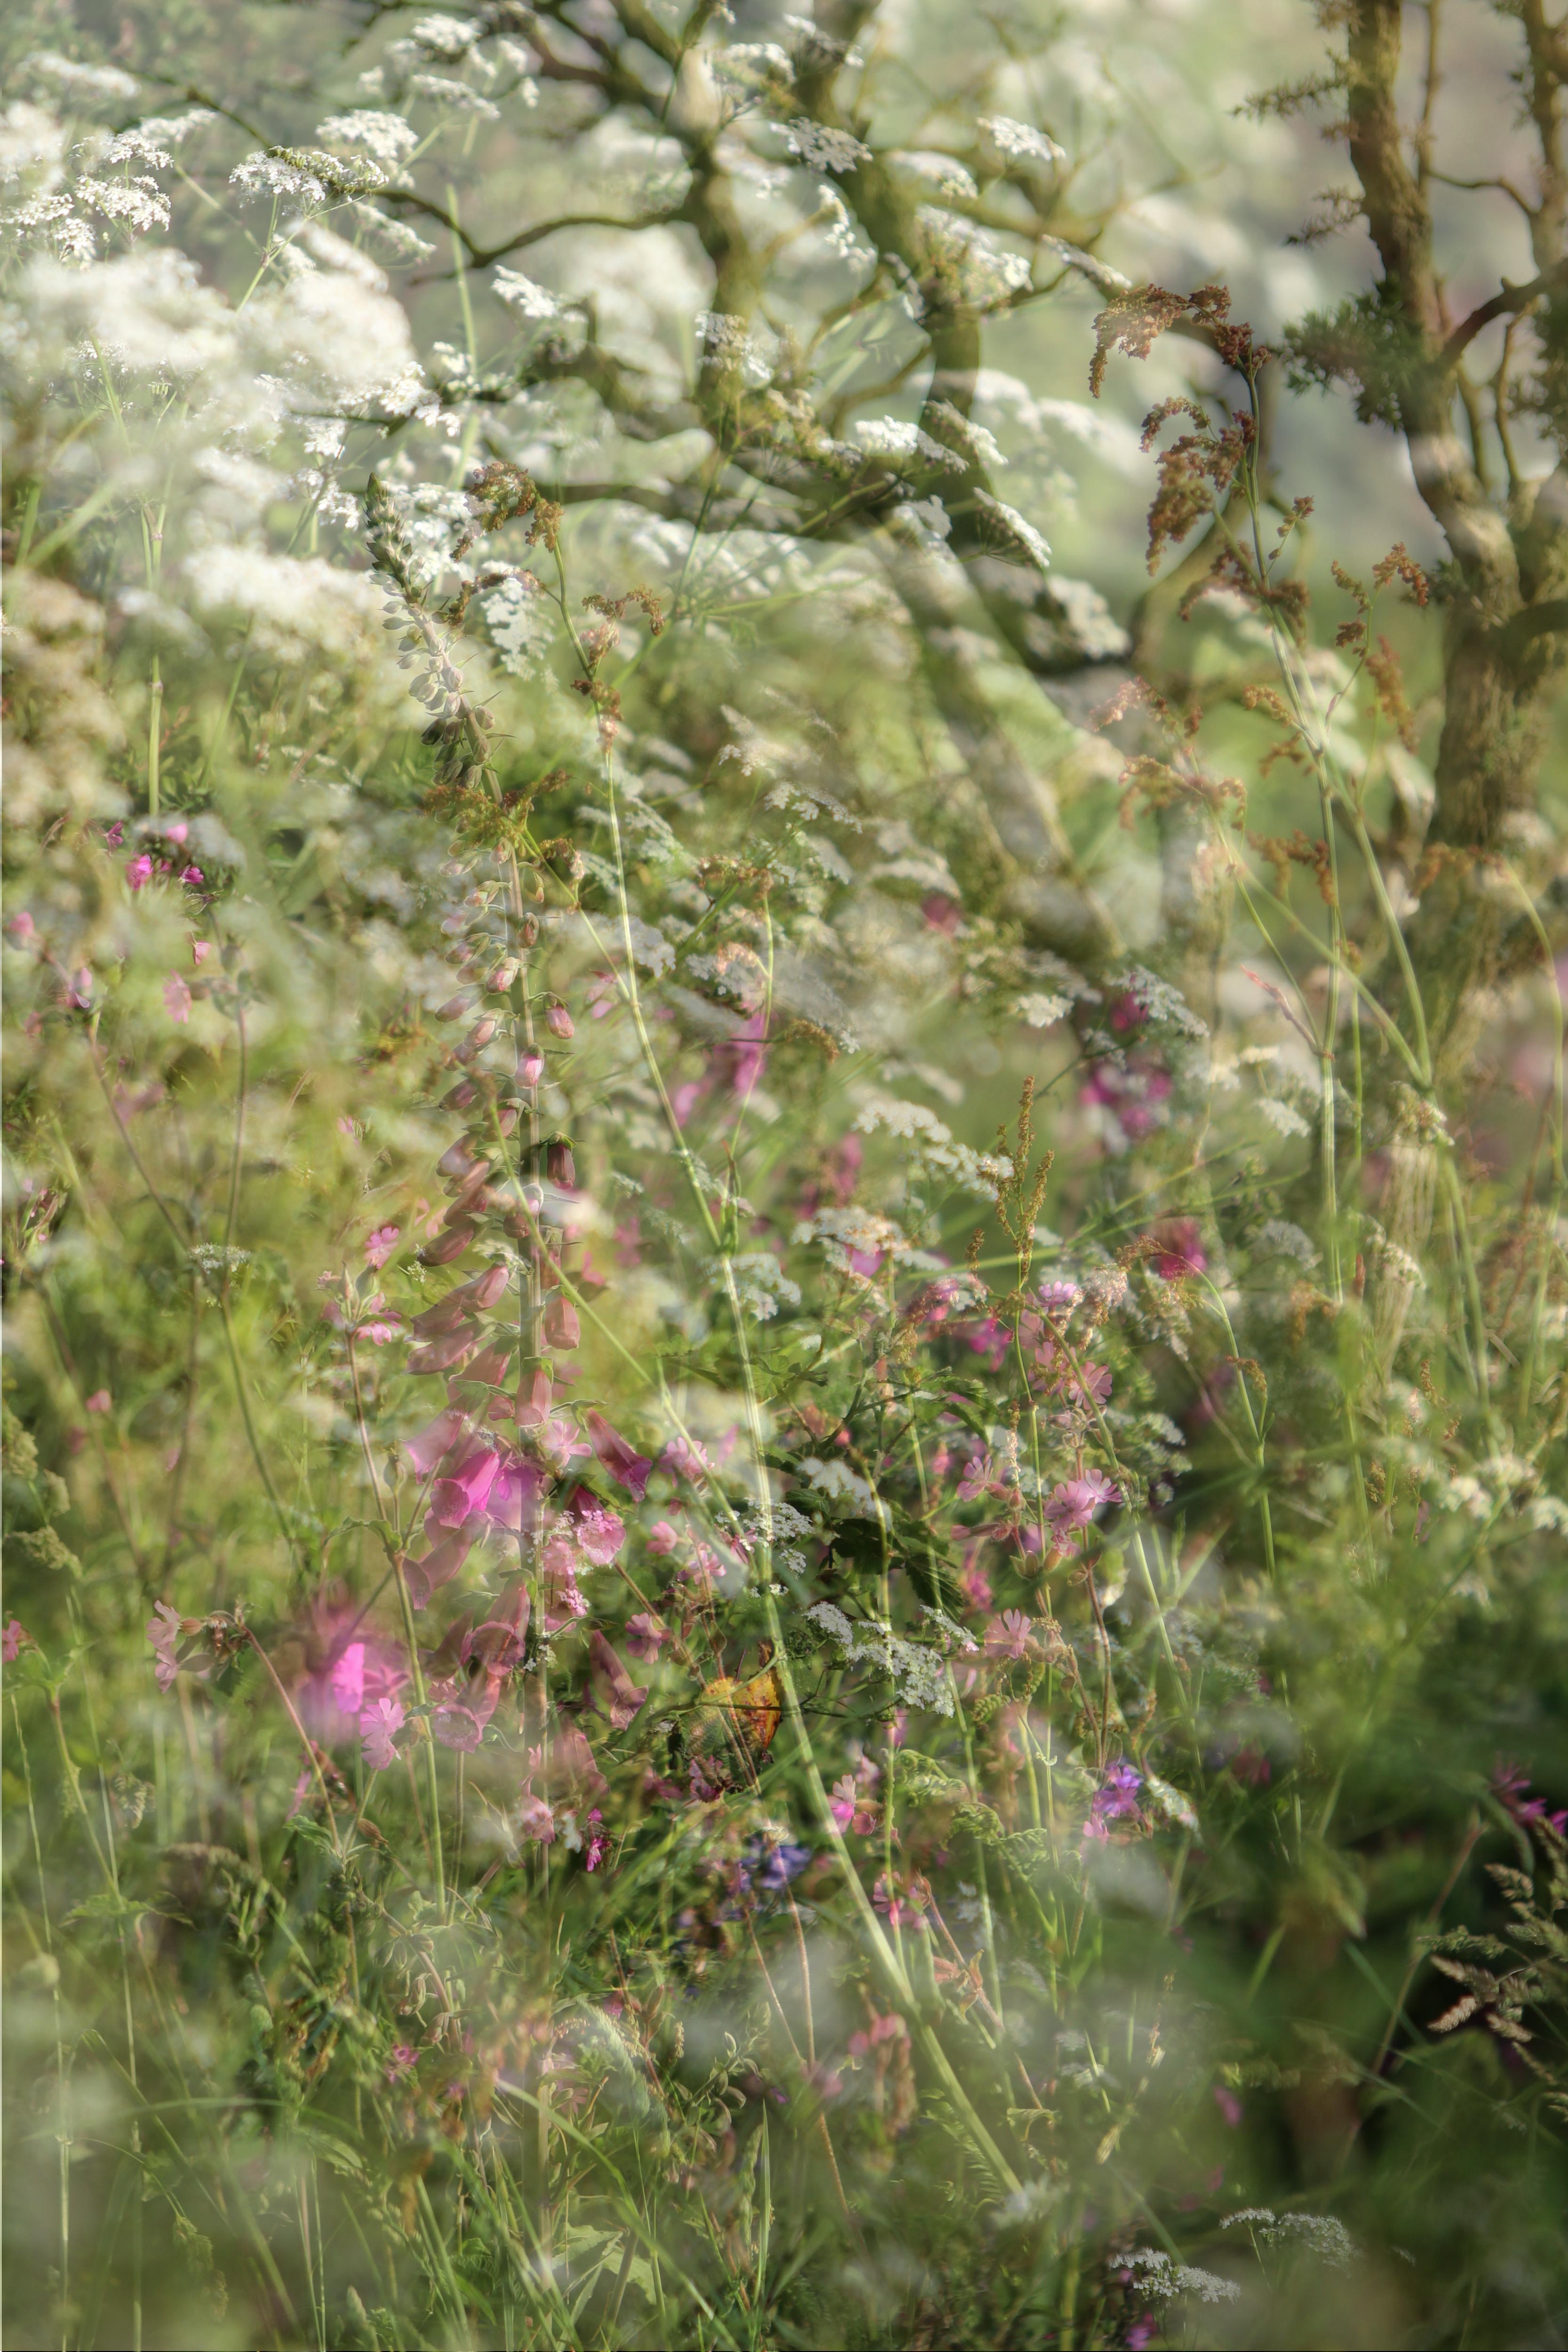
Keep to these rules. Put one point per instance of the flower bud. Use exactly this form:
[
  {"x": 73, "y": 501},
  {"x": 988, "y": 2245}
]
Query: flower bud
[{"x": 559, "y": 1021}]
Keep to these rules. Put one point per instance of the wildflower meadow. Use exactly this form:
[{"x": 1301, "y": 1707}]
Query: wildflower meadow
[{"x": 785, "y": 1406}]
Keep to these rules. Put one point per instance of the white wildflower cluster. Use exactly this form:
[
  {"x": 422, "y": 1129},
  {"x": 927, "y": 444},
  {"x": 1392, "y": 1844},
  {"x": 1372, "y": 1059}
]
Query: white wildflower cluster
[
  {"x": 1314, "y": 2233},
  {"x": 762, "y": 1285},
  {"x": 456, "y": 97},
  {"x": 1014, "y": 531},
  {"x": 849, "y": 1235},
  {"x": 821, "y": 148},
  {"x": 1041, "y": 1012},
  {"x": 1156, "y": 2275},
  {"x": 521, "y": 620},
  {"x": 893, "y": 437},
  {"x": 1547, "y": 1515},
  {"x": 976, "y": 1171},
  {"x": 727, "y": 341},
  {"x": 1282, "y": 1117},
  {"x": 964, "y": 433},
  {"x": 1020, "y": 142},
  {"x": 838, "y": 1483},
  {"x": 82, "y": 85},
  {"x": 137, "y": 205},
  {"x": 943, "y": 172},
  {"x": 984, "y": 272},
  {"x": 919, "y": 1674},
  {"x": 527, "y": 298},
  {"x": 275, "y": 177},
  {"x": 1280, "y": 1238},
  {"x": 385, "y": 138},
  {"x": 749, "y": 67},
  {"x": 842, "y": 234},
  {"x": 299, "y": 607}
]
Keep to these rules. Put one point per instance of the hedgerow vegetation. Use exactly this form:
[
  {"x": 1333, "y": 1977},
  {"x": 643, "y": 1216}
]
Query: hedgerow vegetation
[{"x": 784, "y": 1464}]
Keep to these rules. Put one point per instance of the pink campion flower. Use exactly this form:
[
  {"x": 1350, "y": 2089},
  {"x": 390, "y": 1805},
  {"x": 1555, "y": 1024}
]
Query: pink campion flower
[
  {"x": 571, "y": 1767},
  {"x": 22, "y": 928},
  {"x": 882, "y": 2029},
  {"x": 557, "y": 1442},
  {"x": 200, "y": 950},
  {"x": 1180, "y": 1250},
  {"x": 1074, "y": 1503},
  {"x": 193, "y": 876},
  {"x": 597, "y": 1532},
  {"x": 562, "y": 1598},
  {"x": 979, "y": 1472},
  {"x": 78, "y": 989},
  {"x": 559, "y": 1021},
  {"x": 899, "y": 1906},
  {"x": 685, "y": 1098},
  {"x": 378, "y": 1725},
  {"x": 177, "y": 999},
  {"x": 1229, "y": 2105},
  {"x": 380, "y": 1245},
  {"x": 402, "y": 2061},
  {"x": 849, "y": 1809},
  {"x": 165, "y": 1631},
  {"x": 536, "y": 1822},
  {"x": 614, "y": 1693},
  {"x": 626, "y": 1466},
  {"x": 663, "y": 1539},
  {"x": 178, "y": 833},
  {"x": 976, "y": 1586},
  {"x": 460, "y": 1495},
  {"x": 1058, "y": 1297},
  {"x": 12, "y": 1639},
  {"x": 115, "y": 834},
  {"x": 139, "y": 871},
  {"x": 1007, "y": 1636},
  {"x": 991, "y": 1339},
  {"x": 98, "y": 1401},
  {"x": 597, "y": 1850},
  {"x": 645, "y": 1637},
  {"x": 457, "y": 1727},
  {"x": 683, "y": 1458}
]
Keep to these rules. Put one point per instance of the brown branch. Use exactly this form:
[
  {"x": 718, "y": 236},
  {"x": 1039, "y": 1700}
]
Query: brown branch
[{"x": 1508, "y": 303}]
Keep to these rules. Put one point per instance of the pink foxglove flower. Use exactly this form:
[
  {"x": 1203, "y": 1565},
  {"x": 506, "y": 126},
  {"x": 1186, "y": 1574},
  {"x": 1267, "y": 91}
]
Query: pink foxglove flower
[
  {"x": 626, "y": 1466},
  {"x": 614, "y": 1693},
  {"x": 559, "y": 1021},
  {"x": 461, "y": 1494}
]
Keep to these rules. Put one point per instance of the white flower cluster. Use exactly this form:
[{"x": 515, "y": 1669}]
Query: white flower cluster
[
  {"x": 838, "y": 1483},
  {"x": 1013, "y": 527},
  {"x": 385, "y": 138},
  {"x": 821, "y": 148},
  {"x": 1041, "y": 1012},
  {"x": 842, "y": 234},
  {"x": 1282, "y": 1116},
  {"x": 727, "y": 341},
  {"x": 1020, "y": 142},
  {"x": 893, "y": 437},
  {"x": 984, "y": 272},
  {"x": 1283, "y": 1239},
  {"x": 521, "y": 621},
  {"x": 761, "y": 1284},
  {"x": 748, "y": 67},
  {"x": 522, "y": 295},
  {"x": 919, "y": 1674},
  {"x": 976, "y": 1171},
  {"x": 1314, "y": 2233},
  {"x": 942, "y": 172},
  {"x": 1160, "y": 2278}
]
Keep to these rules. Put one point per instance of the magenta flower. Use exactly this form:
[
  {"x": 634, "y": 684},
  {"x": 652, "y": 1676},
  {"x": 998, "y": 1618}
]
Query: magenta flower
[
  {"x": 627, "y": 1467},
  {"x": 193, "y": 875},
  {"x": 536, "y": 1822},
  {"x": 1179, "y": 1251},
  {"x": 1059, "y": 1298},
  {"x": 78, "y": 989},
  {"x": 531, "y": 1066},
  {"x": 348, "y": 1679},
  {"x": 98, "y": 1401},
  {"x": 684, "y": 1459},
  {"x": 645, "y": 1637},
  {"x": 1115, "y": 1799},
  {"x": 1229, "y": 2105},
  {"x": 378, "y": 1724},
  {"x": 439, "y": 1566},
  {"x": 614, "y": 1694},
  {"x": 597, "y": 1532},
  {"x": 12, "y": 1639},
  {"x": 514, "y": 1497},
  {"x": 1007, "y": 1636},
  {"x": 402, "y": 2061},
  {"x": 559, "y": 1021},
  {"x": 849, "y": 1808},
  {"x": 598, "y": 1850},
  {"x": 1074, "y": 1503},
  {"x": 435, "y": 1441},
  {"x": 177, "y": 998},
  {"x": 380, "y": 1245},
  {"x": 663, "y": 1539},
  {"x": 900, "y": 1908},
  {"x": 460, "y": 1496},
  {"x": 165, "y": 1631},
  {"x": 200, "y": 950},
  {"x": 139, "y": 871}
]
